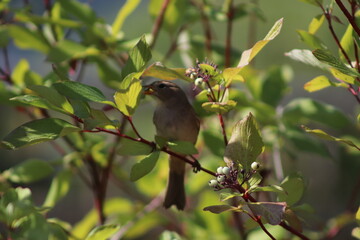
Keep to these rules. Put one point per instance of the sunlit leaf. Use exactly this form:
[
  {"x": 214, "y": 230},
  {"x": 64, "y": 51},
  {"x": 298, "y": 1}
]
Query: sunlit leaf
[
  {"x": 269, "y": 188},
  {"x": 28, "y": 39},
  {"x": 103, "y": 232},
  {"x": 316, "y": 23},
  {"x": 23, "y": 76},
  {"x": 142, "y": 168},
  {"x": 317, "y": 84},
  {"x": 38, "y": 131},
  {"x": 343, "y": 77},
  {"x": 245, "y": 144},
  {"x": 320, "y": 133},
  {"x": 79, "y": 91},
  {"x": 219, "y": 107},
  {"x": 311, "y": 40},
  {"x": 227, "y": 196},
  {"x": 232, "y": 74},
  {"x": 306, "y": 56},
  {"x": 272, "y": 212},
  {"x": 123, "y": 13},
  {"x": 347, "y": 43},
  {"x": 128, "y": 96},
  {"x": 28, "y": 171},
  {"x": 36, "y": 101},
  {"x": 167, "y": 235}
]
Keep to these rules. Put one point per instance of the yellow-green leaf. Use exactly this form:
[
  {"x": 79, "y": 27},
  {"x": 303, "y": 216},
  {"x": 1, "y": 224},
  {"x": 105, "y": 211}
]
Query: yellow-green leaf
[
  {"x": 341, "y": 76},
  {"x": 316, "y": 23},
  {"x": 317, "y": 84},
  {"x": 123, "y": 13},
  {"x": 219, "y": 107},
  {"x": 127, "y": 98}
]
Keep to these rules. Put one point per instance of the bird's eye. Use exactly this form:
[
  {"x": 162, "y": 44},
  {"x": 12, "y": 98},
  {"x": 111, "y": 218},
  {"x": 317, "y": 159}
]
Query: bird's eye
[{"x": 161, "y": 85}]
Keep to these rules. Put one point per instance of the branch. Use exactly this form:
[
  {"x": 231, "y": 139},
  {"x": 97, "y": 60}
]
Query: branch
[
  {"x": 158, "y": 22},
  {"x": 348, "y": 16}
]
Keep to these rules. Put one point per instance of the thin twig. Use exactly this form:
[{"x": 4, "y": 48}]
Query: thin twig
[
  {"x": 348, "y": 16},
  {"x": 158, "y": 22}
]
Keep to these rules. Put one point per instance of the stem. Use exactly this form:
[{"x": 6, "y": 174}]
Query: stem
[
  {"x": 348, "y": 16},
  {"x": 230, "y": 17},
  {"x": 222, "y": 124},
  {"x": 133, "y": 126},
  {"x": 258, "y": 220},
  {"x": 159, "y": 22}
]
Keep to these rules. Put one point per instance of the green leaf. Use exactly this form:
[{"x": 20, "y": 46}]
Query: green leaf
[
  {"x": 347, "y": 43},
  {"x": 53, "y": 97},
  {"x": 318, "y": 83},
  {"x": 36, "y": 101},
  {"x": 67, "y": 49},
  {"x": 313, "y": 2},
  {"x": 321, "y": 134},
  {"x": 98, "y": 119},
  {"x": 28, "y": 39},
  {"x": 174, "y": 13},
  {"x": 327, "y": 58},
  {"x": 60, "y": 186},
  {"x": 232, "y": 74},
  {"x": 79, "y": 10},
  {"x": 123, "y": 13},
  {"x": 269, "y": 188},
  {"x": 128, "y": 96},
  {"x": 28, "y": 171},
  {"x": 303, "y": 110},
  {"x": 294, "y": 187},
  {"x": 167, "y": 235},
  {"x": 38, "y": 131},
  {"x": 138, "y": 57},
  {"x": 219, "y": 208},
  {"x": 316, "y": 23},
  {"x": 4, "y": 36},
  {"x": 27, "y": 17},
  {"x": 343, "y": 77},
  {"x": 227, "y": 196},
  {"x": 22, "y": 76},
  {"x": 249, "y": 54},
  {"x": 156, "y": 70},
  {"x": 79, "y": 91},
  {"x": 103, "y": 232},
  {"x": 214, "y": 143},
  {"x": 219, "y": 107},
  {"x": 306, "y": 56},
  {"x": 272, "y": 212},
  {"x": 245, "y": 144},
  {"x": 128, "y": 147},
  {"x": 311, "y": 40},
  {"x": 142, "y": 168},
  {"x": 182, "y": 147},
  {"x": 81, "y": 109}
]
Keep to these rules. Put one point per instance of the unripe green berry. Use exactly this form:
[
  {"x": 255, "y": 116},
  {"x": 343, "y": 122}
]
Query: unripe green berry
[
  {"x": 198, "y": 81},
  {"x": 213, "y": 183},
  {"x": 221, "y": 178},
  {"x": 255, "y": 166},
  {"x": 226, "y": 171},
  {"x": 219, "y": 170}
]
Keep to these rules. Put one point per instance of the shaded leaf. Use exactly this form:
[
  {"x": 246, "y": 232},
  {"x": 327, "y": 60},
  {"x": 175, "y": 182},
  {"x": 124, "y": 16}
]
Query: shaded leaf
[
  {"x": 269, "y": 188},
  {"x": 320, "y": 133},
  {"x": 227, "y": 196},
  {"x": 293, "y": 220},
  {"x": 128, "y": 147},
  {"x": 28, "y": 171},
  {"x": 294, "y": 187},
  {"x": 219, "y": 208},
  {"x": 311, "y": 40},
  {"x": 214, "y": 143},
  {"x": 38, "y": 131},
  {"x": 245, "y": 144},
  {"x": 79, "y": 10},
  {"x": 28, "y": 39},
  {"x": 142, "y": 168},
  {"x": 103, "y": 232},
  {"x": 59, "y": 187},
  {"x": 79, "y": 91},
  {"x": 182, "y": 147},
  {"x": 272, "y": 212}
]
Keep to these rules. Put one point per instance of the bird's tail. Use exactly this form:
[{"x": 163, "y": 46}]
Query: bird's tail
[{"x": 175, "y": 193}]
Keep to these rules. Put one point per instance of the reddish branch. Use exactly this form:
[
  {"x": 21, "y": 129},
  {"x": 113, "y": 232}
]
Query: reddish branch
[{"x": 158, "y": 22}]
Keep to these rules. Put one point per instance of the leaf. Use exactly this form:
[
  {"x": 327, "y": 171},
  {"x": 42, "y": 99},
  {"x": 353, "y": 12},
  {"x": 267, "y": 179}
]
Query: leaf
[
  {"x": 168, "y": 235},
  {"x": 53, "y": 97},
  {"x": 357, "y": 216},
  {"x": 294, "y": 187},
  {"x": 182, "y": 147},
  {"x": 227, "y": 196},
  {"x": 219, "y": 208},
  {"x": 103, "y": 232},
  {"x": 36, "y": 101},
  {"x": 22, "y": 76},
  {"x": 306, "y": 56},
  {"x": 343, "y": 77},
  {"x": 214, "y": 143},
  {"x": 231, "y": 74},
  {"x": 123, "y": 13},
  {"x": 249, "y": 54},
  {"x": 156, "y": 70},
  {"x": 142, "y": 168},
  {"x": 28, "y": 171},
  {"x": 269, "y": 188},
  {"x": 59, "y": 187},
  {"x": 79, "y": 91},
  {"x": 311, "y": 40},
  {"x": 219, "y": 107},
  {"x": 347, "y": 43},
  {"x": 66, "y": 49},
  {"x": 318, "y": 83},
  {"x": 128, "y": 96},
  {"x": 293, "y": 220},
  {"x": 107, "y": 73},
  {"x": 38, "y": 131},
  {"x": 272, "y": 212},
  {"x": 327, "y": 58},
  {"x": 245, "y": 144},
  {"x": 138, "y": 57},
  {"x": 303, "y": 110},
  {"x": 316, "y": 23},
  {"x": 321, "y": 134},
  {"x": 28, "y": 39},
  {"x": 132, "y": 148},
  {"x": 79, "y": 10}
]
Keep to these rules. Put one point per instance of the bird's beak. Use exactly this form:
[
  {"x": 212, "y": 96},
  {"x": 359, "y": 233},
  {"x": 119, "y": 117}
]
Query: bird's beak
[{"x": 148, "y": 90}]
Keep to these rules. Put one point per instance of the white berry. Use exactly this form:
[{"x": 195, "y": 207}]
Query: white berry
[
  {"x": 213, "y": 183},
  {"x": 226, "y": 171},
  {"x": 255, "y": 166}
]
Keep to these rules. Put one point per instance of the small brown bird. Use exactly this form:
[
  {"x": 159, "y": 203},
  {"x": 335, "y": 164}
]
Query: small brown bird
[{"x": 174, "y": 119}]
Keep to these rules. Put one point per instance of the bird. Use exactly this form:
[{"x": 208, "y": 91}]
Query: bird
[{"x": 175, "y": 120}]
